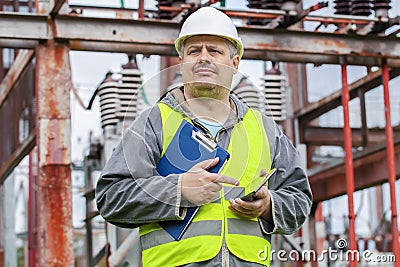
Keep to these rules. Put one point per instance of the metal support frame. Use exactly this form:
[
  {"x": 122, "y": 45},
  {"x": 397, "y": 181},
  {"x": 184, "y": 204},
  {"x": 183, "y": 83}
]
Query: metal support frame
[
  {"x": 141, "y": 9},
  {"x": 14, "y": 73},
  {"x": 364, "y": 126},
  {"x": 370, "y": 169},
  {"x": 313, "y": 232},
  {"x": 127, "y": 35},
  {"x": 288, "y": 46},
  {"x": 328, "y": 103},
  {"x": 8, "y": 209},
  {"x": 92, "y": 162},
  {"x": 54, "y": 35},
  {"x": 349, "y": 162},
  {"x": 391, "y": 163},
  {"x": 332, "y": 136},
  {"x": 2, "y": 225},
  {"x": 57, "y": 6},
  {"x": 23, "y": 26},
  {"x": 89, "y": 196},
  {"x": 32, "y": 218},
  {"x": 117, "y": 257},
  {"x": 17, "y": 93},
  {"x": 17, "y": 156},
  {"x": 53, "y": 83}
]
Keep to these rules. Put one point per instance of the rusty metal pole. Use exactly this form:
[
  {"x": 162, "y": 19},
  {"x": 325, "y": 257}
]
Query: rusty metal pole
[
  {"x": 349, "y": 163},
  {"x": 391, "y": 163},
  {"x": 2, "y": 225},
  {"x": 31, "y": 212},
  {"x": 53, "y": 83},
  {"x": 141, "y": 9}
]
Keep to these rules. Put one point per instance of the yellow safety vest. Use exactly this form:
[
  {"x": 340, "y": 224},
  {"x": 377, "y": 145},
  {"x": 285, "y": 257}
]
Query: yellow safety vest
[{"x": 249, "y": 151}]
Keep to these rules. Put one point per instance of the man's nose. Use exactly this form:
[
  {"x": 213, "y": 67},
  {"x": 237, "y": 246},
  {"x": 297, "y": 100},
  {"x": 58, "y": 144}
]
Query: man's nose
[{"x": 204, "y": 55}]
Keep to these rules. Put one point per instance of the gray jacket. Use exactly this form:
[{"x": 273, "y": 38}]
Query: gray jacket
[{"x": 130, "y": 192}]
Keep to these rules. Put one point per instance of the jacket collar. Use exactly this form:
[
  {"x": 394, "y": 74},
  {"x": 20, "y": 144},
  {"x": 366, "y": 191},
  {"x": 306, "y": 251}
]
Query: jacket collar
[{"x": 176, "y": 100}]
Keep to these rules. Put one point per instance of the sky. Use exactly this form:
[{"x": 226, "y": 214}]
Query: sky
[{"x": 89, "y": 68}]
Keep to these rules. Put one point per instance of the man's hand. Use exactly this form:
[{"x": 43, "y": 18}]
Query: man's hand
[
  {"x": 200, "y": 186},
  {"x": 261, "y": 207}
]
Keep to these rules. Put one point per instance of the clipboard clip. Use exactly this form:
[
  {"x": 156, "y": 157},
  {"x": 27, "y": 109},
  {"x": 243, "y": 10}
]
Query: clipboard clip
[{"x": 204, "y": 140}]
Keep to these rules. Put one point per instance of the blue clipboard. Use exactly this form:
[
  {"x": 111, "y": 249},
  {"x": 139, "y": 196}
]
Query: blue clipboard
[{"x": 187, "y": 148}]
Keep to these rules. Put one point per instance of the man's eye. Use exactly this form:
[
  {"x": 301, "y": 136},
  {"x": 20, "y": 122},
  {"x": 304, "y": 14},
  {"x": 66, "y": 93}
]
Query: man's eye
[
  {"x": 190, "y": 52},
  {"x": 215, "y": 51}
]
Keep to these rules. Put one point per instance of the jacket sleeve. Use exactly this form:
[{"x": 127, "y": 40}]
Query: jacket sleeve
[
  {"x": 290, "y": 191},
  {"x": 129, "y": 191}
]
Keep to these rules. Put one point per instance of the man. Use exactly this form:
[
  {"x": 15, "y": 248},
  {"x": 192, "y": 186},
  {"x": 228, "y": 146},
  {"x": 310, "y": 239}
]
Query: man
[{"x": 226, "y": 231}]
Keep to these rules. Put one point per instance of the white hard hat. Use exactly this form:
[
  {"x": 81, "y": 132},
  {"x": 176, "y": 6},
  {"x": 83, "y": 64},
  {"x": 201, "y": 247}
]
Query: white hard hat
[{"x": 209, "y": 21}]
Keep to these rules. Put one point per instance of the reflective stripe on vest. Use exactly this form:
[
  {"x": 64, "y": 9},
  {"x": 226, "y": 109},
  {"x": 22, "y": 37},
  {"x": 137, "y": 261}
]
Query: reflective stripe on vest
[{"x": 249, "y": 150}]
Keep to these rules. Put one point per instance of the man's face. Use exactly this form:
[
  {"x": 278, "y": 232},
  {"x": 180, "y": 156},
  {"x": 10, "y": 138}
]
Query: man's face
[{"x": 207, "y": 64}]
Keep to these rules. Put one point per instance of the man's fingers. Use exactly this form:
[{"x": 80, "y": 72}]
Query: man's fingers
[
  {"x": 237, "y": 208},
  {"x": 262, "y": 193},
  {"x": 227, "y": 180},
  {"x": 248, "y": 209},
  {"x": 243, "y": 205}
]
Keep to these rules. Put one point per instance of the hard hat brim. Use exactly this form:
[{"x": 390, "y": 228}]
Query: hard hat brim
[{"x": 236, "y": 42}]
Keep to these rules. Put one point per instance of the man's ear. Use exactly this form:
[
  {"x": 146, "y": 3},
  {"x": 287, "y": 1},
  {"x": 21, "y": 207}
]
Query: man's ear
[
  {"x": 236, "y": 61},
  {"x": 180, "y": 63}
]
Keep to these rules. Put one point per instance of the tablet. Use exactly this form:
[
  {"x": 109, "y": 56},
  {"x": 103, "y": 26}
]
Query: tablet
[{"x": 250, "y": 197}]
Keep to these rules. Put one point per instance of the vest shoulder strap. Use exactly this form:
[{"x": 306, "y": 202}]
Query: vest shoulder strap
[{"x": 171, "y": 118}]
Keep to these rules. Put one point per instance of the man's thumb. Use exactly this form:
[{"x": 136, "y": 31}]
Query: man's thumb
[{"x": 208, "y": 163}]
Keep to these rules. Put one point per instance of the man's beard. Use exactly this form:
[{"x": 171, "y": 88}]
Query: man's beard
[{"x": 204, "y": 89}]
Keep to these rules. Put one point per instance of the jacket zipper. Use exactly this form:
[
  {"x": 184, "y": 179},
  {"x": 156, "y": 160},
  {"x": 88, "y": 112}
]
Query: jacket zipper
[
  {"x": 225, "y": 254},
  {"x": 224, "y": 249}
]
